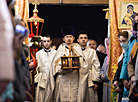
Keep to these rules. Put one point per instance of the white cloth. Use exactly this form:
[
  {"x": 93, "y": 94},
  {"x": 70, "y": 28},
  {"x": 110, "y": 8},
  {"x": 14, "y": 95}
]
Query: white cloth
[
  {"x": 6, "y": 41},
  {"x": 94, "y": 65},
  {"x": 94, "y": 71},
  {"x": 44, "y": 60},
  {"x": 121, "y": 56}
]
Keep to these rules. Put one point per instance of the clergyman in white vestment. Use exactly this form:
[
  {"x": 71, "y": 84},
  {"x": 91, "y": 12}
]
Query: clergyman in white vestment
[
  {"x": 44, "y": 59},
  {"x": 93, "y": 65}
]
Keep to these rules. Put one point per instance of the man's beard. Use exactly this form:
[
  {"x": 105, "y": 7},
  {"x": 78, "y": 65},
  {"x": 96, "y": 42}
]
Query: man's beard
[{"x": 69, "y": 42}]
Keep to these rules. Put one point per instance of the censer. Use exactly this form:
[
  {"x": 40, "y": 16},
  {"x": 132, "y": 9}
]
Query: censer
[{"x": 70, "y": 62}]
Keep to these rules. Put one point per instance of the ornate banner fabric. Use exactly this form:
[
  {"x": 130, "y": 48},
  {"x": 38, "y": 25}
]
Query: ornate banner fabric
[
  {"x": 22, "y": 9},
  {"x": 115, "y": 48}
]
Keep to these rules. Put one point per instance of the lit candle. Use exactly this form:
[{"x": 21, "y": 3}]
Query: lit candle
[{"x": 63, "y": 62}]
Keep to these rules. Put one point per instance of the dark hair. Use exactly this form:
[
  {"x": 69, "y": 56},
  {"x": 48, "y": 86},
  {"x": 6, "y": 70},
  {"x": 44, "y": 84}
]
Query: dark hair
[
  {"x": 47, "y": 36},
  {"x": 134, "y": 24},
  {"x": 93, "y": 40},
  {"x": 82, "y": 32},
  {"x": 124, "y": 34},
  {"x": 136, "y": 14}
]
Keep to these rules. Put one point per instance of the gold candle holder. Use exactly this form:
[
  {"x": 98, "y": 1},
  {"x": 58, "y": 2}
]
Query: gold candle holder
[{"x": 70, "y": 62}]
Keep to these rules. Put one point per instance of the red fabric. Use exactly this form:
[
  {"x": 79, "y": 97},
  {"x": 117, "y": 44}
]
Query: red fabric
[
  {"x": 37, "y": 28},
  {"x": 34, "y": 61},
  {"x": 36, "y": 49},
  {"x": 32, "y": 34},
  {"x": 33, "y": 50},
  {"x": 41, "y": 29},
  {"x": 30, "y": 50}
]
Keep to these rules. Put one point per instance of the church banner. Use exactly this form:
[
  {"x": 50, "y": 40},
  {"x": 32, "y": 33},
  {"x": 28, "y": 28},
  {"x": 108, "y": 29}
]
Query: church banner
[
  {"x": 22, "y": 9},
  {"x": 115, "y": 48}
]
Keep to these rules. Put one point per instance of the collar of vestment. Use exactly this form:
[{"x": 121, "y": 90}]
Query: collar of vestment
[
  {"x": 66, "y": 47},
  {"x": 47, "y": 50},
  {"x": 83, "y": 49}
]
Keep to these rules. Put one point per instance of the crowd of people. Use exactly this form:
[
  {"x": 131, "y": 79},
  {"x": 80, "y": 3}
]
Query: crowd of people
[{"x": 52, "y": 82}]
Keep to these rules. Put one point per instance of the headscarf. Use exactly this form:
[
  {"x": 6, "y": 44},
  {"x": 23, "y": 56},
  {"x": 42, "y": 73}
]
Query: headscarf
[
  {"x": 129, "y": 36},
  {"x": 107, "y": 49}
]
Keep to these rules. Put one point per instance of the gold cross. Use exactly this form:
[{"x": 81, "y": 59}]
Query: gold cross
[{"x": 35, "y": 3}]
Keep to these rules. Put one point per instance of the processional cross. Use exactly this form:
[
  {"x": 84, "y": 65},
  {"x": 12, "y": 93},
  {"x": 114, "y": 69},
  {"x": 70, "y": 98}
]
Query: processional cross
[{"x": 35, "y": 3}]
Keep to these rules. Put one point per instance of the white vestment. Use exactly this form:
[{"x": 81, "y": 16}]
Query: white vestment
[
  {"x": 94, "y": 71},
  {"x": 69, "y": 87},
  {"x": 44, "y": 60}
]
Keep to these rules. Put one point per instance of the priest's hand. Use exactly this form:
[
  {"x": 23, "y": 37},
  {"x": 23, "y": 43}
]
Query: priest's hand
[
  {"x": 95, "y": 87},
  {"x": 126, "y": 84},
  {"x": 69, "y": 70},
  {"x": 72, "y": 48}
]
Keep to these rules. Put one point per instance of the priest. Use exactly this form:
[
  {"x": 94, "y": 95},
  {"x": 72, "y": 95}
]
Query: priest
[{"x": 70, "y": 85}]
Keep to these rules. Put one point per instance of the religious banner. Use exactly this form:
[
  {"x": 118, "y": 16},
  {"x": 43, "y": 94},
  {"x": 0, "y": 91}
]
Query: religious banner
[
  {"x": 22, "y": 9},
  {"x": 115, "y": 7},
  {"x": 115, "y": 48}
]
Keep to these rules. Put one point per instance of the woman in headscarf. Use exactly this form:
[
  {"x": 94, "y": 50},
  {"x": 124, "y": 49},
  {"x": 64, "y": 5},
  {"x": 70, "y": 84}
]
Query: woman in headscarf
[
  {"x": 103, "y": 74},
  {"x": 124, "y": 77},
  {"x": 123, "y": 38}
]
